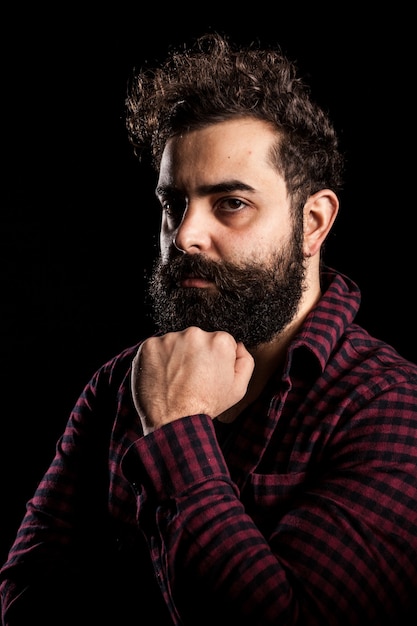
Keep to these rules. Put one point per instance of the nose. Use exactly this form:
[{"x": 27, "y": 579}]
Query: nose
[{"x": 193, "y": 234}]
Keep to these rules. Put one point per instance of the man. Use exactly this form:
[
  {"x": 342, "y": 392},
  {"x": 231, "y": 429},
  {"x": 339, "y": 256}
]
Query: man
[{"x": 254, "y": 462}]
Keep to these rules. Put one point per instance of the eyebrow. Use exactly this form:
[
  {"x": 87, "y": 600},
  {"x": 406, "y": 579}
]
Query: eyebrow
[{"x": 226, "y": 186}]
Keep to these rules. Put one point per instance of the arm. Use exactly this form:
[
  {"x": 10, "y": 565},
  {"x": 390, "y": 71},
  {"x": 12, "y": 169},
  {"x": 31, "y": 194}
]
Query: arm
[{"x": 63, "y": 539}]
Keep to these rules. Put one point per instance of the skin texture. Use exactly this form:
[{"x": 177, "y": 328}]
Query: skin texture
[{"x": 193, "y": 371}]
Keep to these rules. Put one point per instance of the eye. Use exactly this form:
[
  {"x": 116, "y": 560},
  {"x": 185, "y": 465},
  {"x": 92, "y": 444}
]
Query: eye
[
  {"x": 231, "y": 205},
  {"x": 173, "y": 208}
]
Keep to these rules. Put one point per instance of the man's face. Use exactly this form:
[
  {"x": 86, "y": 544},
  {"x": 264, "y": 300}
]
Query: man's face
[{"x": 231, "y": 254}]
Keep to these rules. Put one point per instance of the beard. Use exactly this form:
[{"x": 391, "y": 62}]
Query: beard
[{"x": 253, "y": 301}]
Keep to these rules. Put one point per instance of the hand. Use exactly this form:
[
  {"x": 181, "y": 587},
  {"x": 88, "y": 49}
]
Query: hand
[{"x": 188, "y": 372}]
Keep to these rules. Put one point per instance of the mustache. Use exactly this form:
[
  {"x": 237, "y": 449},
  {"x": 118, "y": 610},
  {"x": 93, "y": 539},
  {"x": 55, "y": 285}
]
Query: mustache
[
  {"x": 197, "y": 266},
  {"x": 225, "y": 275}
]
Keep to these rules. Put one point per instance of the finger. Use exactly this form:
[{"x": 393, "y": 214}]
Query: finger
[{"x": 245, "y": 363}]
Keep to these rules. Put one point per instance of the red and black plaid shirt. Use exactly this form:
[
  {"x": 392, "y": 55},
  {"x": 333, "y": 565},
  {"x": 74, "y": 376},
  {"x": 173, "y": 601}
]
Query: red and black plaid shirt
[{"x": 303, "y": 511}]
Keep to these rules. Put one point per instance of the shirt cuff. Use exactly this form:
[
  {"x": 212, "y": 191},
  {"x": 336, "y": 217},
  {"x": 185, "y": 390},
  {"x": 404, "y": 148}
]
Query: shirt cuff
[{"x": 176, "y": 457}]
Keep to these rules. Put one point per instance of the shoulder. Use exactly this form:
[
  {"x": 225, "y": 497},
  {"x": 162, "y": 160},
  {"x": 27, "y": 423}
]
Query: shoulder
[
  {"x": 374, "y": 355},
  {"x": 113, "y": 374}
]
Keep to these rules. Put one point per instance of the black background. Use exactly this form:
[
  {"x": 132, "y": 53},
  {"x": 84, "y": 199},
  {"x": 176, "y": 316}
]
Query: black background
[{"x": 79, "y": 224}]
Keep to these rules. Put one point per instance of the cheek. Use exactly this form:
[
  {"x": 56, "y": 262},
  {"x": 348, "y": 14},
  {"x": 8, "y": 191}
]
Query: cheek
[
  {"x": 166, "y": 238},
  {"x": 165, "y": 247},
  {"x": 261, "y": 248}
]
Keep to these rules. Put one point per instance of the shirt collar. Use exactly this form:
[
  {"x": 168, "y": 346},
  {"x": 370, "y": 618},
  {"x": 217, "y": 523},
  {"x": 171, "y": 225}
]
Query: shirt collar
[{"x": 328, "y": 321}]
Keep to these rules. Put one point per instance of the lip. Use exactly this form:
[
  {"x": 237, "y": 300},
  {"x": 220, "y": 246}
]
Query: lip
[{"x": 195, "y": 281}]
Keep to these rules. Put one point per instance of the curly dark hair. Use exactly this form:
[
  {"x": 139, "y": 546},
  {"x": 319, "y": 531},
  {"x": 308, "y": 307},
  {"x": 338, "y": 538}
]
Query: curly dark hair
[{"x": 214, "y": 80}]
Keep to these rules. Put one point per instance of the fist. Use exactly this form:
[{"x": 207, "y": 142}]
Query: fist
[{"x": 188, "y": 372}]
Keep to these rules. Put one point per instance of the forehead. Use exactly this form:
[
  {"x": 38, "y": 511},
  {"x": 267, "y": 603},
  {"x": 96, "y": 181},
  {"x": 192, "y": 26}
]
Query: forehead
[
  {"x": 225, "y": 138},
  {"x": 241, "y": 143}
]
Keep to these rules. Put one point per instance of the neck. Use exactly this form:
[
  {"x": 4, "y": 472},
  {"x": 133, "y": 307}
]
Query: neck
[{"x": 270, "y": 357}]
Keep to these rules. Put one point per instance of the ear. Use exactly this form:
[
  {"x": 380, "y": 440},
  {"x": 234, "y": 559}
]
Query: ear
[{"x": 320, "y": 212}]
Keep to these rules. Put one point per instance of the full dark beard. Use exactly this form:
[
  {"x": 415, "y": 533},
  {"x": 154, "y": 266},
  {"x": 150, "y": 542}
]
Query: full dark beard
[{"x": 252, "y": 302}]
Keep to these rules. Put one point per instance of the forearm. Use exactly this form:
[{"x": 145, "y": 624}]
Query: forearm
[{"x": 198, "y": 531}]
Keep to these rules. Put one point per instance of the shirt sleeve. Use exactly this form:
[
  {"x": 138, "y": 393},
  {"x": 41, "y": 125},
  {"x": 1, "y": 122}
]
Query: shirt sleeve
[
  {"x": 50, "y": 573},
  {"x": 194, "y": 520}
]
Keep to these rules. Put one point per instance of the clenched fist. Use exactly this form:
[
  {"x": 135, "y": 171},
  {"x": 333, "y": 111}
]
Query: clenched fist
[{"x": 188, "y": 372}]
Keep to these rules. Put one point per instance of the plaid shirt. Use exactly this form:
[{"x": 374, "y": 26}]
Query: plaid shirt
[{"x": 303, "y": 511}]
